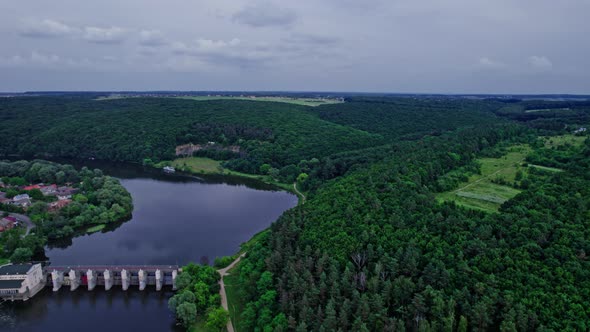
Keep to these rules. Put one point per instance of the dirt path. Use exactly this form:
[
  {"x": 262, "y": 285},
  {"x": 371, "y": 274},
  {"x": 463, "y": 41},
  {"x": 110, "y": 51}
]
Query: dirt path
[
  {"x": 299, "y": 193},
  {"x": 488, "y": 176},
  {"x": 223, "y": 273}
]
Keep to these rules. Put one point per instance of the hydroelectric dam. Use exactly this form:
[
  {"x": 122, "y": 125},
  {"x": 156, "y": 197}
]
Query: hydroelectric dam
[{"x": 108, "y": 276}]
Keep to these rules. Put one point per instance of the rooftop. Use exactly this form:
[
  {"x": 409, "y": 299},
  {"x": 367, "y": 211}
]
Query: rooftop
[
  {"x": 13, "y": 269},
  {"x": 21, "y": 196}
]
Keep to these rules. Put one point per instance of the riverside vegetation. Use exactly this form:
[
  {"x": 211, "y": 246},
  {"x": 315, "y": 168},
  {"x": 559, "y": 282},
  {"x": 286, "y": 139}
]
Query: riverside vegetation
[
  {"x": 101, "y": 200},
  {"x": 372, "y": 248}
]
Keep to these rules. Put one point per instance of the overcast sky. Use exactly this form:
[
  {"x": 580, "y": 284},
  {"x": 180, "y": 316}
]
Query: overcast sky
[{"x": 444, "y": 46}]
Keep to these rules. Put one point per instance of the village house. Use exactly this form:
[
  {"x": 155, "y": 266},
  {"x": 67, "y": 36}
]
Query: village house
[
  {"x": 49, "y": 190},
  {"x": 58, "y": 205},
  {"x": 31, "y": 187},
  {"x": 22, "y": 200},
  {"x": 7, "y": 223},
  {"x": 64, "y": 193},
  {"x": 580, "y": 130},
  {"x": 20, "y": 281}
]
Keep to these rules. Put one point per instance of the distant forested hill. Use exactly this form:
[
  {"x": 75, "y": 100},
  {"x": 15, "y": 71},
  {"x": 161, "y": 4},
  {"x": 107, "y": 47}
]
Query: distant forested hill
[
  {"x": 278, "y": 134},
  {"x": 409, "y": 117},
  {"x": 138, "y": 128}
]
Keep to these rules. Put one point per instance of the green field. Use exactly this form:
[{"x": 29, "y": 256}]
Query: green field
[
  {"x": 297, "y": 101},
  {"x": 555, "y": 141},
  {"x": 198, "y": 165},
  {"x": 95, "y": 229},
  {"x": 480, "y": 192}
]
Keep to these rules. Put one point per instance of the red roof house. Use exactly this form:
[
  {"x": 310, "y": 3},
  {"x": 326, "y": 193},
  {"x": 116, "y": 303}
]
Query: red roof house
[{"x": 35, "y": 186}]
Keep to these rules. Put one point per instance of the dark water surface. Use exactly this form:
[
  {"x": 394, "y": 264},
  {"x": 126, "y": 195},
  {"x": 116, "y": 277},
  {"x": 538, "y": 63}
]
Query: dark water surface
[{"x": 176, "y": 220}]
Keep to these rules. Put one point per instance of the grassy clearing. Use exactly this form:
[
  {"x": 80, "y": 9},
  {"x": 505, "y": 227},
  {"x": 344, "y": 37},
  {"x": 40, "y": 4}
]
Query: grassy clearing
[
  {"x": 480, "y": 192},
  {"x": 545, "y": 168},
  {"x": 95, "y": 229},
  {"x": 198, "y": 165},
  {"x": 556, "y": 141},
  {"x": 4, "y": 261},
  {"x": 235, "y": 298},
  {"x": 297, "y": 101}
]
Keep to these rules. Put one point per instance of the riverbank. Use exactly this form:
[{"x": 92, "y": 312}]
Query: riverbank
[{"x": 207, "y": 166}]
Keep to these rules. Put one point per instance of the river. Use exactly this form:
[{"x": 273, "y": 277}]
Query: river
[{"x": 176, "y": 219}]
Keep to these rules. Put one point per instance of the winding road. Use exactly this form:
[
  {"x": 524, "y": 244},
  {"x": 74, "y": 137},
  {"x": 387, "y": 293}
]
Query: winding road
[{"x": 223, "y": 273}]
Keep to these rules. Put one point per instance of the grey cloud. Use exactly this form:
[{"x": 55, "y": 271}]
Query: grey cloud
[
  {"x": 486, "y": 62},
  {"x": 46, "y": 29},
  {"x": 112, "y": 35},
  {"x": 49, "y": 28},
  {"x": 231, "y": 52},
  {"x": 312, "y": 39},
  {"x": 43, "y": 60},
  {"x": 152, "y": 38},
  {"x": 265, "y": 15},
  {"x": 499, "y": 46},
  {"x": 540, "y": 62}
]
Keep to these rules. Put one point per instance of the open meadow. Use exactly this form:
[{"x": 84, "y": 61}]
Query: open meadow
[{"x": 483, "y": 191}]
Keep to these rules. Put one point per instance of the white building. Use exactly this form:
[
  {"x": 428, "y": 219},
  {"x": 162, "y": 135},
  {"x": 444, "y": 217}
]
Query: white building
[
  {"x": 22, "y": 200},
  {"x": 20, "y": 281}
]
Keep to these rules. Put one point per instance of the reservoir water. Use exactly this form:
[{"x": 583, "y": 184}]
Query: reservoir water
[{"x": 176, "y": 219}]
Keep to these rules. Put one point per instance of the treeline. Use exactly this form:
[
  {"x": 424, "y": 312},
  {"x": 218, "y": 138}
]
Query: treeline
[
  {"x": 100, "y": 200},
  {"x": 409, "y": 118},
  {"x": 548, "y": 116},
  {"x": 373, "y": 251},
  {"x": 278, "y": 134},
  {"x": 137, "y": 129}
]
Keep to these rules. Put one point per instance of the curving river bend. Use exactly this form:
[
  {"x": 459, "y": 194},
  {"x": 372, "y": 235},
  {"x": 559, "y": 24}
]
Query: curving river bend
[{"x": 176, "y": 220}]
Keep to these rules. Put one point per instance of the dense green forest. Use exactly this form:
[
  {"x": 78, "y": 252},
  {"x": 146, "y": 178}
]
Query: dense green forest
[
  {"x": 150, "y": 128},
  {"x": 99, "y": 200},
  {"x": 371, "y": 249},
  {"x": 278, "y": 134},
  {"x": 408, "y": 118}
]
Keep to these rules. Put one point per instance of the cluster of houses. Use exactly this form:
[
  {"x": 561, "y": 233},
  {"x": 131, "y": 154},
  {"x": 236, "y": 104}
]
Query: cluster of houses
[{"x": 62, "y": 193}]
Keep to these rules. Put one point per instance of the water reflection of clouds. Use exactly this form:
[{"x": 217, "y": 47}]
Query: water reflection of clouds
[{"x": 175, "y": 222}]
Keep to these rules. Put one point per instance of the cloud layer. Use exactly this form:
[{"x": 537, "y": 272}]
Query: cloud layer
[
  {"x": 265, "y": 15},
  {"x": 529, "y": 46}
]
